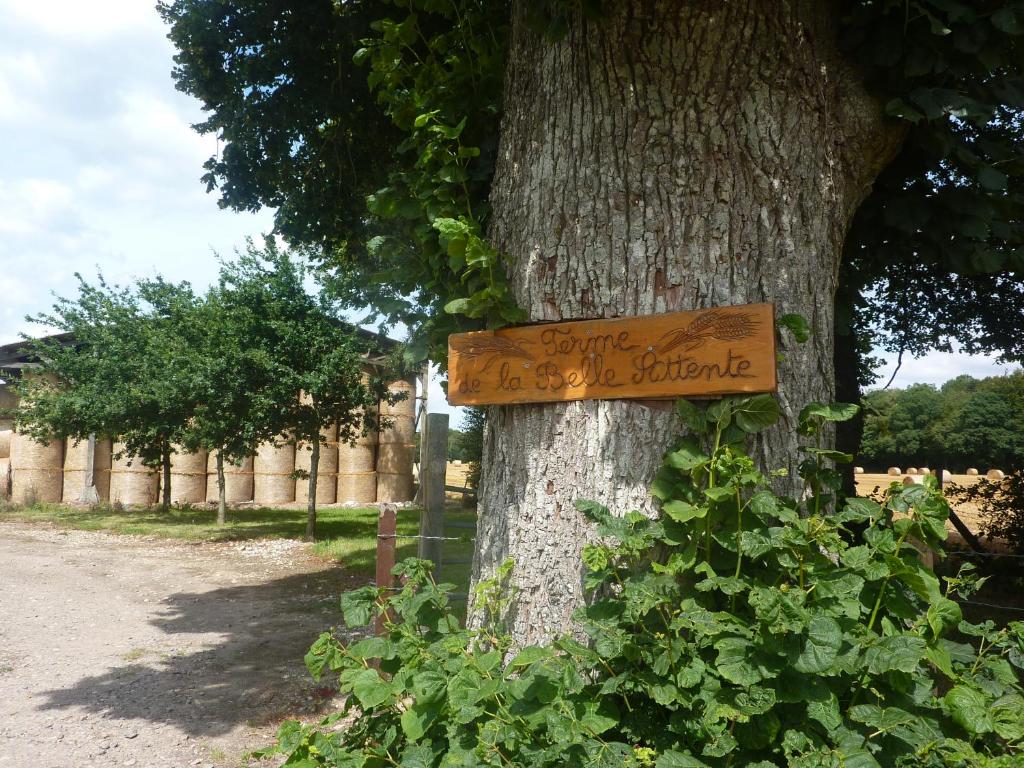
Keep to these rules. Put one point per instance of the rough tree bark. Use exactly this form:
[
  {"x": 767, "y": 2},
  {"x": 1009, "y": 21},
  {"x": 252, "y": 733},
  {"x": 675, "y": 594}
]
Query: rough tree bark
[
  {"x": 222, "y": 504},
  {"x": 165, "y": 453},
  {"x": 671, "y": 155},
  {"x": 314, "y": 468}
]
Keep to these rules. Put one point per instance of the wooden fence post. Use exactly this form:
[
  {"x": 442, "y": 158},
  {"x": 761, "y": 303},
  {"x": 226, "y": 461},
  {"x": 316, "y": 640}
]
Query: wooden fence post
[
  {"x": 432, "y": 472},
  {"x": 387, "y": 525}
]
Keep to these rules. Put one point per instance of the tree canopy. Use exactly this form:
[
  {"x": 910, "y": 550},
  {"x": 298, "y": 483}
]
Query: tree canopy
[
  {"x": 163, "y": 369},
  {"x": 965, "y": 423},
  {"x": 315, "y": 360},
  {"x": 373, "y": 129}
]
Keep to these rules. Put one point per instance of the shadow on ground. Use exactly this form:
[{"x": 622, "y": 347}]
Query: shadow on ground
[{"x": 250, "y": 672}]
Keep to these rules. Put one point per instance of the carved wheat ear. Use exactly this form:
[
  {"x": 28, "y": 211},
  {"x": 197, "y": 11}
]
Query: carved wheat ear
[
  {"x": 713, "y": 324},
  {"x": 492, "y": 347}
]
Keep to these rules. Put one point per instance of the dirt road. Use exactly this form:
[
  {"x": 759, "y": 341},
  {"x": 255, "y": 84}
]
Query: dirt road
[{"x": 129, "y": 651}]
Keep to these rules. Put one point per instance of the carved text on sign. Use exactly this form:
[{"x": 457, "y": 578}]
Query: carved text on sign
[{"x": 709, "y": 352}]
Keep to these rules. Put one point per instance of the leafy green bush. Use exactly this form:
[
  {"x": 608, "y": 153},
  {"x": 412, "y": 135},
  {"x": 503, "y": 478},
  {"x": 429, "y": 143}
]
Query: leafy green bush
[{"x": 738, "y": 629}]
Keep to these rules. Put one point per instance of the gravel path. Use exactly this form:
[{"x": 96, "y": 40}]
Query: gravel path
[{"x": 133, "y": 651}]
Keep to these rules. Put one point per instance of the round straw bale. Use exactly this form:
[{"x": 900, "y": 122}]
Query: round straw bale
[
  {"x": 914, "y": 480},
  {"x": 925, "y": 471},
  {"x": 273, "y": 482},
  {"x": 406, "y": 407},
  {"x": 238, "y": 480},
  {"x": 395, "y": 486},
  {"x": 131, "y": 483},
  {"x": 972, "y": 471},
  {"x": 995, "y": 474},
  {"x": 894, "y": 471},
  {"x": 858, "y": 470},
  {"x": 188, "y": 476},
  {"x": 947, "y": 476},
  {"x": 912, "y": 470},
  {"x": 37, "y": 470},
  {"x": 395, "y": 458},
  {"x": 358, "y": 458},
  {"x": 76, "y": 470},
  {"x": 394, "y": 472},
  {"x": 357, "y": 487},
  {"x": 5, "y": 478}
]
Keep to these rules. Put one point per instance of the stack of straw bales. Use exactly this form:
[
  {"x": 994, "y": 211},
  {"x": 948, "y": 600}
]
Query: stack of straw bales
[
  {"x": 37, "y": 470},
  {"x": 357, "y": 470},
  {"x": 76, "y": 470},
  {"x": 131, "y": 483},
  {"x": 5, "y": 463},
  {"x": 238, "y": 480},
  {"x": 273, "y": 482},
  {"x": 188, "y": 477},
  {"x": 396, "y": 451},
  {"x": 327, "y": 471}
]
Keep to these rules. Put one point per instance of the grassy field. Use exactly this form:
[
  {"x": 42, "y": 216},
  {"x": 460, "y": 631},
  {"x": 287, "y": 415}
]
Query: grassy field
[{"x": 348, "y": 536}]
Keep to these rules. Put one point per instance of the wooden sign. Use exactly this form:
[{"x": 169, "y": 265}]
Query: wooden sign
[{"x": 719, "y": 351}]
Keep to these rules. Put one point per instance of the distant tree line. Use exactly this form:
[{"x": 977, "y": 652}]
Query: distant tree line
[
  {"x": 260, "y": 357},
  {"x": 966, "y": 422}
]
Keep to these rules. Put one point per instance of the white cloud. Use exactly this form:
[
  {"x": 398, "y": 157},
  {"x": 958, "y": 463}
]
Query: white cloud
[
  {"x": 939, "y": 367},
  {"x": 100, "y": 166},
  {"x": 78, "y": 20}
]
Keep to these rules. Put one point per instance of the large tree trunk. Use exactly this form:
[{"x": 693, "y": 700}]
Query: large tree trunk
[{"x": 668, "y": 156}]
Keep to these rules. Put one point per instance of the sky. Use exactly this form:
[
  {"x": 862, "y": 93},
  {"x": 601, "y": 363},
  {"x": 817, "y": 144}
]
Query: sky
[{"x": 100, "y": 168}]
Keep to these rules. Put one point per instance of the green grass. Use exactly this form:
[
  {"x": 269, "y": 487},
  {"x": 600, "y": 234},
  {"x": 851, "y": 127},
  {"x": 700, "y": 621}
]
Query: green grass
[{"x": 348, "y": 536}]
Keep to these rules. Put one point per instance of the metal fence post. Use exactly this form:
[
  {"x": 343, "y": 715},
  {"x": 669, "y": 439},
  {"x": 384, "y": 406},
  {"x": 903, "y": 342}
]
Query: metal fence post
[{"x": 432, "y": 472}]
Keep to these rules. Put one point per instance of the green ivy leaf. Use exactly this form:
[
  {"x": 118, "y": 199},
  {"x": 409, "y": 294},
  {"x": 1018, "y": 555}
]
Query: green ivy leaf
[
  {"x": 900, "y": 652},
  {"x": 831, "y": 412},
  {"x": 756, "y": 413},
  {"x": 681, "y": 511},
  {"x": 673, "y": 759},
  {"x": 797, "y": 325},
  {"x": 357, "y": 606},
  {"x": 370, "y": 689},
  {"x": 687, "y": 457},
  {"x": 970, "y": 709},
  {"x": 943, "y": 615},
  {"x": 824, "y": 639}
]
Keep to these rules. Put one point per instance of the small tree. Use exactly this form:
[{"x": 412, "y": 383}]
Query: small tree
[
  {"x": 233, "y": 385},
  {"x": 313, "y": 357},
  {"x": 123, "y": 374}
]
